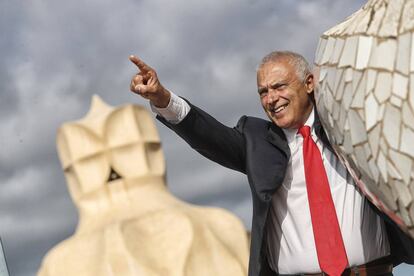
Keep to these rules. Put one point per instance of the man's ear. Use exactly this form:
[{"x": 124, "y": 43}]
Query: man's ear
[{"x": 310, "y": 83}]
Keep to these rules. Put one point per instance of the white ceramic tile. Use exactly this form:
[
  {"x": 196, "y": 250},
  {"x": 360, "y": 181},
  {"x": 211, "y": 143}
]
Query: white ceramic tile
[
  {"x": 390, "y": 23},
  {"x": 371, "y": 111},
  {"x": 358, "y": 99},
  {"x": 364, "y": 51},
  {"x": 340, "y": 89},
  {"x": 322, "y": 73},
  {"x": 374, "y": 170},
  {"x": 339, "y": 45},
  {"x": 336, "y": 110},
  {"x": 356, "y": 79},
  {"x": 347, "y": 145},
  {"x": 407, "y": 22},
  {"x": 381, "y": 110},
  {"x": 412, "y": 54},
  {"x": 348, "y": 56},
  {"x": 383, "y": 144},
  {"x": 383, "y": 86},
  {"x": 403, "y": 53},
  {"x": 330, "y": 77},
  {"x": 367, "y": 150},
  {"x": 404, "y": 194},
  {"x": 358, "y": 132},
  {"x": 362, "y": 159},
  {"x": 339, "y": 76},
  {"x": 407, "y": 115},
  {"x": 392, "y": 171},
  {"x": 373, "y": 140},
  {"x": 361, "y": 114},
  {"x": 363, "y": 21},
  {"x": 320, "y": 50},
  {"x": 384, "y": 53},
  {"x": 403, "y": 213},
  {"x": 407, "y": 144},
  {"x": 394, "y": 100},
  {"x": 328, "y": 51},
  {"x": 376, "y": 21},
  {"x": 400, "y": 85},
  {"x": 328, "y": 100},
  {"x": 348, "y": 74},
  {"x": 382, "y": 165},
  {"x": 392, "y": 126},
  {"x": 411, "y": 91},
  {"x": 371, "y": 76},
  {"x": 403, "y": 164},
  {"x": 347, "y": 97}
]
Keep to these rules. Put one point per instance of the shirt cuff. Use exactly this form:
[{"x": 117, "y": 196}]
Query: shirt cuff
[{"x": 176, "y": 110}]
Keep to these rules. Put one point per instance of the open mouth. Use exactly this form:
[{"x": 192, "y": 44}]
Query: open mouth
[{"x": 279, "y": 109}]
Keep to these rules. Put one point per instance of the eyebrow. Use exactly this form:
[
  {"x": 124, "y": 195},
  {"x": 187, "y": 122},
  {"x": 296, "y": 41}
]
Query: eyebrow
[{"x": 273, "y": 86}]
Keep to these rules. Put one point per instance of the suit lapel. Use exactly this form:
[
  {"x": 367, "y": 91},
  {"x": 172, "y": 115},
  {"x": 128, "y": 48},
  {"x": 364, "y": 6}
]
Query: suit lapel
[{"x": 276, "y": 137}]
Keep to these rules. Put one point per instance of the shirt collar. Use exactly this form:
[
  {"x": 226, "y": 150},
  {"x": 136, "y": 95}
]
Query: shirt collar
[{"x": 290, "y": 133}]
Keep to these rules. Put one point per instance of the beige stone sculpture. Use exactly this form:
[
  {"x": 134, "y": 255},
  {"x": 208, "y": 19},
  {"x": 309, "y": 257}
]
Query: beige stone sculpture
[
  {"x": 129, "y": 223},
  {"x": 366, "y": 101}
]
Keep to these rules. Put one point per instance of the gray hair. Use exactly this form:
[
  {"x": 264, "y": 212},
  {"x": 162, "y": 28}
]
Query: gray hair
[{"x": 296, "y": 60}]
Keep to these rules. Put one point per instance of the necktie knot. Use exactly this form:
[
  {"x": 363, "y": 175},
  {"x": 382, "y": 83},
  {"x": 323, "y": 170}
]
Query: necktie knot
[{"x": 304, "y": 131}]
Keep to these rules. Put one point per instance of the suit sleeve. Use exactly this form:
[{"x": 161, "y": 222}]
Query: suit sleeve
[{"x": 212, "y": 139}]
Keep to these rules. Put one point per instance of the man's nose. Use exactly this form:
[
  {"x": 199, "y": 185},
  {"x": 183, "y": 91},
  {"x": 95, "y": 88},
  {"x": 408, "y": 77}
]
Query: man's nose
[{"x": 273, "y": 96}]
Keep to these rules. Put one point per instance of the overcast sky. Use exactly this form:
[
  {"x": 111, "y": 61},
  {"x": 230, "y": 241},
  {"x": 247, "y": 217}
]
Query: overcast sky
[{"x": 56, "y": 54}]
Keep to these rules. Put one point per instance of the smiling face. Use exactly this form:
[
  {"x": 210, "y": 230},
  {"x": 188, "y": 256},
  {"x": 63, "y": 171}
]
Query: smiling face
[{"x": 285, "y": 98}]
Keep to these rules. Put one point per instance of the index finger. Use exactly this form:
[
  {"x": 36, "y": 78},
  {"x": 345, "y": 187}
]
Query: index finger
[{"x": 140, "y": 64}]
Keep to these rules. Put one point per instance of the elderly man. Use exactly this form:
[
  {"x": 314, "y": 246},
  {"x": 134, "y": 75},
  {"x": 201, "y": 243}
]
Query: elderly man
[{"x": 308, "y": 215}]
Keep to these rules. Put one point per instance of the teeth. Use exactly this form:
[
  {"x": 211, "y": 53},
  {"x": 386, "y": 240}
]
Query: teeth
[{"x": 280, "y": 108}]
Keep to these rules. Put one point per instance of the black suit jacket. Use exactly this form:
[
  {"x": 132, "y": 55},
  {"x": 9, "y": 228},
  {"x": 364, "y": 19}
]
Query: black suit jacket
[{"x": 258, "y": 148}]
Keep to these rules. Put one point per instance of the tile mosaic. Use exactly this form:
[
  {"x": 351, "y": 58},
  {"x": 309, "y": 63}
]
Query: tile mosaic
[
  {"x": 407, "y": 115},
  {"x": 411, "y": 92},
  {"x": 383, "y": 86},
  {"x": 339, "y": 77},
  {"x": 371, "y": 111},
  {"x": 328, "y": 101},
  {"x": 358, "y": 133},
  {"x": 393, "y": 172},
  {"x": 371, "y": 77},
  {"x": 322, "y": 73},
  {"x": 329, "y": 47},
  {"x": 361, "y": 114},
  {"x": 358, "y": 99},
  {"x": 367, "y": 150},
  {"x": 361, "y": 158},
  {"x": 320, "y": 50},
  {"x": 403, "y": 212},
  {"x": 330, "y": 77},
  {"x": 383, "y": 56},
  {"x": 412, "y": 54},
  {"x": 381, "y": 111},
  {"x": 400, "y": 85},
  {"x": 373, "y": 140},
  {"x": 336, "y": 110},
  {"x": 349, "y": 52},
  {"x": 391, "y": 126},
  {"x": 397, "y": 102},
  {"x": 390, "y": 24},
  {"x": 342, "y": 118},
  {"x": 403, "y": 53},
  {"x": 363, "y": 21},
  {"x": 407, "y": 20},
  {"x": 347, "y": 145},
  {"x": 347, "y": 97},
  {"x": 364, "y": 51},
  {"x": 374, "y": 170},
  {"x": 376, "y": 21},
  {"x": 387, "y": 196},
  {"x": 383, "y": 145},
  {"x": 382, "y": 165},
  {"x": 403, "y": 164},
  {"x": 407, "y": 144},
  {"x": 356, "y": 79},
  {"x": 348, "y": 74},
  {"x": 403, "y": 193},
  {"x": 339, "y": 45}
]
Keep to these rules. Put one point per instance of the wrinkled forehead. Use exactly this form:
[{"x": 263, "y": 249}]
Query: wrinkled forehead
[{"x": 275, "y": 71}]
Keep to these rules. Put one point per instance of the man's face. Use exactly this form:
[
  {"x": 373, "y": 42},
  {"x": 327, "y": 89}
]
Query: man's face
[{"x": 284, "y": 97}]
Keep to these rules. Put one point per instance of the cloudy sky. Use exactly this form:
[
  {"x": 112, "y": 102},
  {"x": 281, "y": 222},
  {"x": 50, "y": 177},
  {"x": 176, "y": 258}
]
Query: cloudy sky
[{"x": 56, "y": 54}]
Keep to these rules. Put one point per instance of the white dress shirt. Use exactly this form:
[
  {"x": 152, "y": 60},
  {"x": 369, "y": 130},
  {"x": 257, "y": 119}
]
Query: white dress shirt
[{"x": 289, "y": 236}]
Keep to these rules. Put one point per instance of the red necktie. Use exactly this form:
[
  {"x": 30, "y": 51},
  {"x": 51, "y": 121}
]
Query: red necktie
[{"x": 328, "y": 239}]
